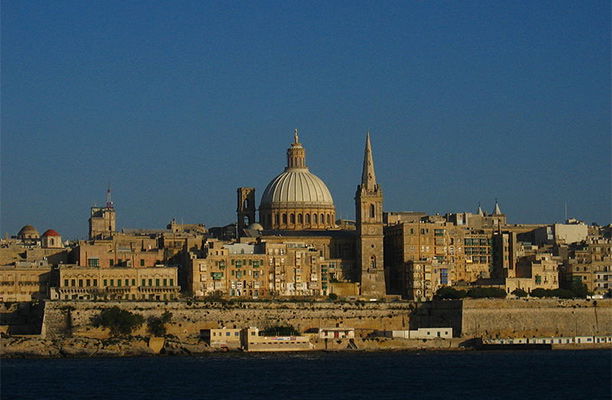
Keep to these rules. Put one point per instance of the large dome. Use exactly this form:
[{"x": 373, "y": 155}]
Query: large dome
[
  {"x": 297, "y": 199},
  {"x": 28, "y": 232},
  {"x": 297, "y": 187}
]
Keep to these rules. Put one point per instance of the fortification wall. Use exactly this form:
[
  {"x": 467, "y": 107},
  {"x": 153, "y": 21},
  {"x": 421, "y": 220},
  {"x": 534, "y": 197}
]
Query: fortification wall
[
  {"x": 528, "y": 318},
  {"x": 517, "y": 318},
  {"x": 468, "y": 318},
  {"x": 74, "y": 317}
]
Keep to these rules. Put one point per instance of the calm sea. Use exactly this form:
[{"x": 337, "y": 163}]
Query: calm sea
[{"x": 400, "y": 375}]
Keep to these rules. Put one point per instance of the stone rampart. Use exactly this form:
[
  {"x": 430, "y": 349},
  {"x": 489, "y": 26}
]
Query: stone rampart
[
  {"x": 517, "y": 318},
  {"x": 468, "y": 318},
  {"x": 74, "y": 317}
]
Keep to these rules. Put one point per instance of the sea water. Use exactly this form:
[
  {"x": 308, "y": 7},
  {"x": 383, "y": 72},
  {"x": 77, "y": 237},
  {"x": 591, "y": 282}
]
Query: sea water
[{"x": 473, "y": 375}]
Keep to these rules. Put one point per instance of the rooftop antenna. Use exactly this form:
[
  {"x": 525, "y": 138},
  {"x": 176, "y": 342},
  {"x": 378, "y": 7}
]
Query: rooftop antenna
[{"x": 109, "y": 201}]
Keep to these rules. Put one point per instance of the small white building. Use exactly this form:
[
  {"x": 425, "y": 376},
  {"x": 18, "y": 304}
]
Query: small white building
[
  {"x": 421, "y": 333},
  {"x": 336, "y": 333}
]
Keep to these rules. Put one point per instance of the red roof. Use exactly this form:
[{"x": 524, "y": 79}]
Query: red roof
[{"x": 51, "y": 232}]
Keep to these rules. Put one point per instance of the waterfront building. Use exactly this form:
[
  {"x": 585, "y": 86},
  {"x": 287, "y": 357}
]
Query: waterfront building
[
  {"x": 228, "y": 338},
  {"x": 76, "y": 282},
  {"x": 25, "y": 281},
  {"x": 540, "y": 270},
  {"x": 590, "y": 263},
  {"x": 252, "y": 341},
  {"x": 262, "y": 269}
]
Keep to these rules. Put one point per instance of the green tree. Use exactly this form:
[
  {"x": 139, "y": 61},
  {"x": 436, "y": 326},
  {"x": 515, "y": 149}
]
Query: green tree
[
  {"x": 539, "y": 292},
  {"x": 280, "y": 330},
  {"x": 579, "y": 289},
  {"x": 486, "y": 292},
  {"x": 333, "y": 296},
  {"x": 216, "y": 296},
  {"x": 519, "y": 292},
  {"x": 449, "y": 293},
  {"x": 120, "y": 322},
  {"x": 157, "y": 325}
]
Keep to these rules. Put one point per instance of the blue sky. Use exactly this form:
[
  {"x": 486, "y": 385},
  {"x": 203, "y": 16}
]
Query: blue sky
[{"x": 179, "y": 103}]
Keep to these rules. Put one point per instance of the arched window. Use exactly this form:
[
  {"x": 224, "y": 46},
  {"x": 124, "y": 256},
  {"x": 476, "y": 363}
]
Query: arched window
[
  {"x": 276, "y": 221},
  {"x": 307, "y": 219},
  {"x": 328, "y": 219},
  {"x": 315, "y": 218},
  {"x": 300, "y": 221},
  {"x": 373, "y": 262},
  {"x": 292, "y": 218},
  {"x": 372, "y": 211},
  {"x": 284, "y": 218},
  {"x": 322, "y": 219},
  {"x": 51, "y": 242},
  {"x": 245, "y": 204}
]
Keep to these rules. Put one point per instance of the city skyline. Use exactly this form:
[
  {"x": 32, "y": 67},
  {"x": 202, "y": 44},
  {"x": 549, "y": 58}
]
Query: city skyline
[{"x": 177, "y": 107}]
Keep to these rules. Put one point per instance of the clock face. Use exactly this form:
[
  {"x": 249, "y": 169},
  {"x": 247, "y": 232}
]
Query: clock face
[{"x": 372, "y": 230}]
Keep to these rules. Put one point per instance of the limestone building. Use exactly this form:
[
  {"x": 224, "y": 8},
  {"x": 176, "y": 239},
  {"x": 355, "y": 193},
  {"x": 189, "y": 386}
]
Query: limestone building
[
  {"x": 103, "y": 220},
  {"x": 94, "y": 283},
  {"x": 25, "y": 281}
]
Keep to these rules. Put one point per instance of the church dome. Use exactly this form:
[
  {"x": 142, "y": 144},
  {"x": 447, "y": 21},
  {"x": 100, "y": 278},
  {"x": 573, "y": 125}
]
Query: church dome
[
  {"x": 297, "y": 187},
  {"x": 28, "y": 232},
  {"x": 51, "y": 232},
  {"x": 297, "y": 199}
]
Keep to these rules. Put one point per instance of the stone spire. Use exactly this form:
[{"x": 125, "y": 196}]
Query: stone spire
[
  {"x": 368, "y": 176},
  {"x": 296, "y": 155},
  {"x": 497, "y": 210},
  {"x": 480, "y": 212}
]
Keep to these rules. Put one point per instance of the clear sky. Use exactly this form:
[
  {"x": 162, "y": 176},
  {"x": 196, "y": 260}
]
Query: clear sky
[{"x": 178, "y": 103}]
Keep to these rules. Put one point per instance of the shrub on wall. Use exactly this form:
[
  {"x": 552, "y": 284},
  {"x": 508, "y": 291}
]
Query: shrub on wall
[
  {"x": 449, "y": 293},
  {"x": 486, "y": 292},
  {"x": 120, "y": 322},
  {"x": 280, "y": 330},
  {"x": 157, "y": 325},
  {"x": 519, "y": 292}
]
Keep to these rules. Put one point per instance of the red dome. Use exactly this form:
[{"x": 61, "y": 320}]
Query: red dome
[{"x": 51, "y": 232}]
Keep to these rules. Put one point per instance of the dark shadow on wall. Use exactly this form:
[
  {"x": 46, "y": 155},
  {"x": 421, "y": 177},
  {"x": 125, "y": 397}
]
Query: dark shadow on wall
[{"x": 438, "y": 314}]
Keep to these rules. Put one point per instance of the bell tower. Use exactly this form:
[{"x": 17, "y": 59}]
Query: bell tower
[
  {"x": 245, "y": 208},
  {"x": 103, "y": 220},
  {"x": 369, "y": 214}
]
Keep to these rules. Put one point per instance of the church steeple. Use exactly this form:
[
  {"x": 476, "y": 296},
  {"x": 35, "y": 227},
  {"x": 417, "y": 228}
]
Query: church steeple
[
  {"x": 369, "y": 221},
  {"x": 497, "y": 210},
  {"x": 368, "y": 176}
]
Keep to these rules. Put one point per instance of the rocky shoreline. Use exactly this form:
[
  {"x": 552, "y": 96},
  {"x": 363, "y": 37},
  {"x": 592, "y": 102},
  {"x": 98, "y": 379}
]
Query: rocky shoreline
[
  {"x": 23, "y": 347},
  {"x": 136, "y": 346},
  {"x": 139, "y": 346}
]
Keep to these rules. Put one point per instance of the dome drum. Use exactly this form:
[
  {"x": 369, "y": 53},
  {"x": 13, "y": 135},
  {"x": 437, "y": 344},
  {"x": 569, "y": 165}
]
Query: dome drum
[{"x": 298, "y": 218}]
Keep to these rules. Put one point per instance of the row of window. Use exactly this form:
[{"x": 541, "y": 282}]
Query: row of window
[
  {"x": 95, "y": 262},
  {"x": 301, "y": 219},
  {"x": 118, "y": 282}
]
